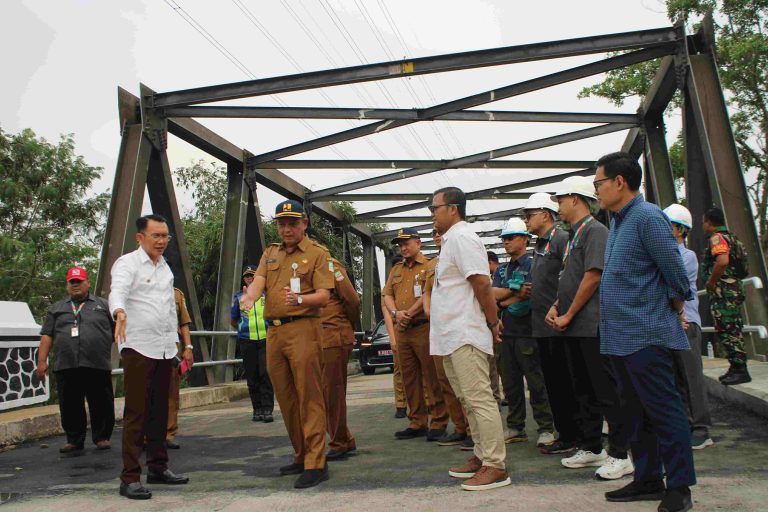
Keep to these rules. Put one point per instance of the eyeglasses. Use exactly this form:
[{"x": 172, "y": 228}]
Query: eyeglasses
[
  {"x": 597, "y": 183},
  {"x": 159, "y": 237},
  {"x": 528, "y": 215},
  {"x": 433, "y": 208}
]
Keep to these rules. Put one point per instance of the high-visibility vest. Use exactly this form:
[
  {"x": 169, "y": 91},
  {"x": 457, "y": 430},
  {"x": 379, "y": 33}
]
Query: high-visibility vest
[{"x": 252, "y": 325}]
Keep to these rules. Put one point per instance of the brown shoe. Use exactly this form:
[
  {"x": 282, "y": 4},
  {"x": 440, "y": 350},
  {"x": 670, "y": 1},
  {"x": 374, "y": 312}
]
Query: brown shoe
[
  {"x": 467, "y": 470},
  {"x": 103, "y": 445},
  {"x": 71, "y": 448},
  {"x": 487, "y": 478}
]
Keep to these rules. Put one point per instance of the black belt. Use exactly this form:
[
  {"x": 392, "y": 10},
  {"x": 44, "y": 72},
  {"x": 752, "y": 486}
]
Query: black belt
[
  {"x": 417, "y": 323},
  {"x": 277, "y": 322}
]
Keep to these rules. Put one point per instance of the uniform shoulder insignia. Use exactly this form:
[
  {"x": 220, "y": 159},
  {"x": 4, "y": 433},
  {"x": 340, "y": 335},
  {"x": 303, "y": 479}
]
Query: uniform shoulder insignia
[
  {"x": 715, "y": 239},
  {"x": 338, "y": 276}
]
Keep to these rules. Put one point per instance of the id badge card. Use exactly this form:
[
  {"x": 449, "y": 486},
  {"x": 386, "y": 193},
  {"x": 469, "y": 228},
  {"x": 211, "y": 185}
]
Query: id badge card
[
  {"x": 295, "y": 285},
  {"x": 417, "y": 290},
  {"x": 75, "y": 331}
]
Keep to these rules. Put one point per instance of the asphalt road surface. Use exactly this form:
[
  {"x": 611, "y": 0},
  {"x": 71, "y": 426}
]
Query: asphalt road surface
[{"x": 232, "y": 463}]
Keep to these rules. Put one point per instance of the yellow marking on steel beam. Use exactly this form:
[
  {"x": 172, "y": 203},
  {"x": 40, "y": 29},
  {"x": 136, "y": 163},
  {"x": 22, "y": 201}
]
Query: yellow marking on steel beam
[{"x": 407, "y": 67}]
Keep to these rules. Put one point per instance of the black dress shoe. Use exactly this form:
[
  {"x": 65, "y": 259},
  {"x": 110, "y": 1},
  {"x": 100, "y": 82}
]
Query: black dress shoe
[
  {"x": 333, "y": 455},
  {"x": 435, "y": 434},
  {"x": 504, "y": 402},
  {"x": 134, "y": 491},
  {"x": 311, "y": 477},
  {"x": 411, "y": 433},
  {"x": 637, "y": 491},
  {"x": 258, "y": 416},
  {"x": 268, "y": 418},
  {"x": 676, "y": 500},
  {"x": 167, "y": 477},
  {"x": 292, "y": 469},
  {"x": 400, "y": 413},
  {"x": 172, "y": 445}
]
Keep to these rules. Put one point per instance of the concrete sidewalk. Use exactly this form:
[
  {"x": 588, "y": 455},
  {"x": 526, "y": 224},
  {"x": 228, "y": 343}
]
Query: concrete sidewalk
[{"x": 752, "y": 396}]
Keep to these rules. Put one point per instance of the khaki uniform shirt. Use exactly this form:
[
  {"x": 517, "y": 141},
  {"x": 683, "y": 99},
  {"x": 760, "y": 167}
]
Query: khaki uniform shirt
[
  {"x": 314, "y": 268},
  {"x": 406, "y": 282},
  {"x": 342, "y": 314},
  {"x": 431, "y": 268},
  {"x": 181, "y": 308}
]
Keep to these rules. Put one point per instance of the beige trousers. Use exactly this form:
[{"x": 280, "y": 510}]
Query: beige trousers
[{"x": 467, "y": 370}]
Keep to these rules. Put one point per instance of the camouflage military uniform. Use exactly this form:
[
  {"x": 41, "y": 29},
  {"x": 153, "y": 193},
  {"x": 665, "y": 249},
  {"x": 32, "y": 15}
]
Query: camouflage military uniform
[{"x": 725, "y": 303}]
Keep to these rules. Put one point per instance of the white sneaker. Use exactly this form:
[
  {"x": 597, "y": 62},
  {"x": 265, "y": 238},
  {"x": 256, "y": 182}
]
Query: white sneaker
[
  {"x": 545, "y": 439},
  {"x": 584, "y": 459},
  {"x": 515, "y": 436},
  {"x": 613, "y": 469}
]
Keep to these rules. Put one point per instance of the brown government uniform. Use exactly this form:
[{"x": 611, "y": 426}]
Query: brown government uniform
[
  {"x": 413, "y": 348},
  {"x": 397, "y": 374},
  {"x": 339, "y": 319},
  {"x": 294, "y": 352},
  {"x": 182, "y": 315},
  {"x": 455, "y": 410}
]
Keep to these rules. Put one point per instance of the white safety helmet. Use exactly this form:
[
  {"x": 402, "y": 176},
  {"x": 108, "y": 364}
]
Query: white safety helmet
[
  {"x": 679, "y": 214},
  {"x": 581, "y": 185},
  {"x": 514, "y": 226},
  {"x": 541, "y": 201}
]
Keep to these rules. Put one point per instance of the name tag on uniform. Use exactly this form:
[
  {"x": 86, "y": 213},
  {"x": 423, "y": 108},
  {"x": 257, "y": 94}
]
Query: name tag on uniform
[
  {"x": 295, "y": 285},
  {"x": 417, "y": 290},
  {"x": 74, "y": 332}
]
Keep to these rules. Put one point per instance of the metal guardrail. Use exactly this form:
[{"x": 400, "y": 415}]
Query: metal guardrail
[
  {"x": 761, "y": 331},
  {"x": 755, "y": 282}
]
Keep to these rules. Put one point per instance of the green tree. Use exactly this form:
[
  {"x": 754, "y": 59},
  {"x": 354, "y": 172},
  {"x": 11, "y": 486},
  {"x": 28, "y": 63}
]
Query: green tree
[
  {"x": 741, "y": 28},
  {"x": 49, "y": 221}
]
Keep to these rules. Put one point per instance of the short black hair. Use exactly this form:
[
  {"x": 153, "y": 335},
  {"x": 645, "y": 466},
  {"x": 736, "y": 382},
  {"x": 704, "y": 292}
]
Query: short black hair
[
  {"x": 715, "y": 216},
  {"x": 492, "y": 256},
  {"x": 141, "y": 222},
  {"x": 622, "y": 164},
  {"x": 454, "y": 196}
]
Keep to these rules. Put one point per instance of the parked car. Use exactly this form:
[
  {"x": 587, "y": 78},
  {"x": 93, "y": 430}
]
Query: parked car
[{"x": 375, "y": 350}]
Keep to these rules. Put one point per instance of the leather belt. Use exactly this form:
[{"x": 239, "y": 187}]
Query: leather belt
[{"x": 277, "y": 322}]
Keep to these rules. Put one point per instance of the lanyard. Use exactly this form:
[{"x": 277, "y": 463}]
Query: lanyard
[
  {"x": 76, "y": 312},
  {"x": 572, "y": 242},
  {"x": 549, "y": 242}
]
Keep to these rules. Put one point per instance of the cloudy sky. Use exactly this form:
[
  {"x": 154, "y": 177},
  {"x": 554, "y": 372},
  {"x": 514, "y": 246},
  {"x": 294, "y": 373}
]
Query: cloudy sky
[{"x": 64, "y": 60}]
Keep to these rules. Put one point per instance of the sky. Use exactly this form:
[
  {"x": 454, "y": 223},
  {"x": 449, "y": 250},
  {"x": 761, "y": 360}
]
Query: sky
[{"x": 64, "y": 60}]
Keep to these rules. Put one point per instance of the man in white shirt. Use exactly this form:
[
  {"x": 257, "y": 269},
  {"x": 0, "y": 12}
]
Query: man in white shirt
[
  {"x": 464, "y": 326},
  {"x": 142, "y": 302}
]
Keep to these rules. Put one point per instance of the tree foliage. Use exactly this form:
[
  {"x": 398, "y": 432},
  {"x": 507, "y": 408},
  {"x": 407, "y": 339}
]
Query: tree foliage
[
  {"x": 49, "y": 221},
  {"x": 741, "y": 28}
]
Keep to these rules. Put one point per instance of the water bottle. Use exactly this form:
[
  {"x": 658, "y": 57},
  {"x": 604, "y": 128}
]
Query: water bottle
[{"x": 710, "y": 350}]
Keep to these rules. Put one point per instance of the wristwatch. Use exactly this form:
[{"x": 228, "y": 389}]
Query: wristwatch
[
  {"x": 300, "y": 300},
  {"x": 393, "y": 312},
  {"x": 188, "y": 347},
  {"x": 491, "y": 325}
]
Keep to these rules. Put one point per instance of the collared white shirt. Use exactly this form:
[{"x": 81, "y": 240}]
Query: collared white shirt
[
  {"x": 456, "y": 317},
  {"x": 144, "y": 290}
]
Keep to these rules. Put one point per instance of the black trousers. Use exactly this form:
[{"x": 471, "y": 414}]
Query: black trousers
[
  {"x": 559, "y": 382},
  {"x": 75, "y": 386},
  {"x": 254, "y": 354},
  {"x": 658, "y": 423},
  {"x": 597, "y": 396}
]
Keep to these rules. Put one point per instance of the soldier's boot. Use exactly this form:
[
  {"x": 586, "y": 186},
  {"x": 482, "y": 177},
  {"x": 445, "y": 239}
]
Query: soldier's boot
[
  {"x": 726, "y": 374},
  {"x": 738, "y": 375}
]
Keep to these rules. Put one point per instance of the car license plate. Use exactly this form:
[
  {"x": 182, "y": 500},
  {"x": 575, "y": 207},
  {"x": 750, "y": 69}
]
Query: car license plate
[{"x": 385, "y": 352}]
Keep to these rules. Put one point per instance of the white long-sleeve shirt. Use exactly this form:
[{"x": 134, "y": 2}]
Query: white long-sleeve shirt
[{"x": 144, "y": 290}]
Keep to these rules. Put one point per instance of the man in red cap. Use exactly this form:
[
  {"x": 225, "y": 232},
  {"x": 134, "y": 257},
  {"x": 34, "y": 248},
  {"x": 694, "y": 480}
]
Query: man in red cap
[{"x": 80, "y": 330}]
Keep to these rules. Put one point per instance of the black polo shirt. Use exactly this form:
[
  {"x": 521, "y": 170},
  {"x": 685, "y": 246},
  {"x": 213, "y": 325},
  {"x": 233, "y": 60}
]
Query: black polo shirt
[
  {"x": 545, "y": 275},
  {"x": 93, "y": 347}
]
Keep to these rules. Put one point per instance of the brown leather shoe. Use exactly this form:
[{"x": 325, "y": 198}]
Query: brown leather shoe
[
  {"x": 103, "y": 445},
  {"x": 71, "y": 448},
  {"x": 487, "y": 478},
  {"x": 466, "y": 470}
]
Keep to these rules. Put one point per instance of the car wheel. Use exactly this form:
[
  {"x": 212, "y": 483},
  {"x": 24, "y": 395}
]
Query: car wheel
[{"x": 369, "y": 370}]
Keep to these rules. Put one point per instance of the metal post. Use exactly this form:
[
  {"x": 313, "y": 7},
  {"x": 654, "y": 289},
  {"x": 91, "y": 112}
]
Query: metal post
[
  {"x": 659, "y": 168},
  {"x": 230, "y": 263},
  {"x": 369, "y": 255}
]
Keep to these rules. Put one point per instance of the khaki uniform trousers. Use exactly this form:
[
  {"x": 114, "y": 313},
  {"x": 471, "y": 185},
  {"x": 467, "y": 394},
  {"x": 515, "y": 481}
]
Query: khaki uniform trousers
[
  {"x": 335, "y": 390},
  {"x": 467, "y": 370},
  {"x": 294, "y": 365},
  {"x": 419, "y": 373},
  {"x": 173, "y": 401},
  {"x": 455, "y": 411},
  {"x": 397, "y": 381}
]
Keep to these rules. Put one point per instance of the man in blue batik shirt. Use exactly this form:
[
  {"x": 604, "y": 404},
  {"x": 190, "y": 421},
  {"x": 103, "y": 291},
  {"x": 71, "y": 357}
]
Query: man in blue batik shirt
[{"x": 642, "y": 293}]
